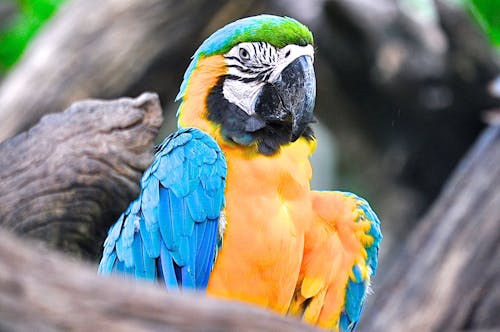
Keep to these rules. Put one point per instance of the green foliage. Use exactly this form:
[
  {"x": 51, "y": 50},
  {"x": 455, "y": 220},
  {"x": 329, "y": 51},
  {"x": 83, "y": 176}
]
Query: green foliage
[
  {"x": 31, "y": 16},
  {"x": 487, "y": 13}
]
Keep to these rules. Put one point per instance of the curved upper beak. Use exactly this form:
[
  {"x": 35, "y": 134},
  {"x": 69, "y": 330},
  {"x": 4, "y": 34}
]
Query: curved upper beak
[{"x": 289, "y": 99}]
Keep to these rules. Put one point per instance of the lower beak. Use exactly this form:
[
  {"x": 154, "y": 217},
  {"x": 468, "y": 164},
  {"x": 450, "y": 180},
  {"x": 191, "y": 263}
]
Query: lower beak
[{"x": 289, "y": 100}]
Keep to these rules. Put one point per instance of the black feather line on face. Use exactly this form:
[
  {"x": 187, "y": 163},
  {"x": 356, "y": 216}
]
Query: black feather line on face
[{"x": 239, "y": 127}]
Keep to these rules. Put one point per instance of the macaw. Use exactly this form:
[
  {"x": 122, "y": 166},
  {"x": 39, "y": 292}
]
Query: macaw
[{"x": 226, "y": 206}]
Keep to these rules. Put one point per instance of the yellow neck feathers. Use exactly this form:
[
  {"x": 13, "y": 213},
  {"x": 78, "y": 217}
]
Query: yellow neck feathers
[{"x": 193, "y": 110}]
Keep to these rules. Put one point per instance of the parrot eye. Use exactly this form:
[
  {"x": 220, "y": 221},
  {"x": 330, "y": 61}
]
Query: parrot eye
[{"x": 244, "y": 55}]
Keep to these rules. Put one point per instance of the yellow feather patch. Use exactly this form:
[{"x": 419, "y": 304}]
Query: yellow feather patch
[
  {"x": 193, "y": 110},
  {"x": 311, "y": 314},
  {"x": 311, "y": 286}
]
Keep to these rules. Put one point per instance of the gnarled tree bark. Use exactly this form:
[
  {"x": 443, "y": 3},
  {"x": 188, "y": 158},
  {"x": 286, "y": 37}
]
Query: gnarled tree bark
[
  {"x": 43, "y": 291},
  {"x": 69, "y": 177},
  {"x": 448, "y": 275}
]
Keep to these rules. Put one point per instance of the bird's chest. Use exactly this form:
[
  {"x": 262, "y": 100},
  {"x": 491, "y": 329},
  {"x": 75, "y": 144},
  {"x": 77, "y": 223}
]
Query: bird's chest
[
  {"x": 268, "y": 206},
  {"x": 265, "y": 205}
]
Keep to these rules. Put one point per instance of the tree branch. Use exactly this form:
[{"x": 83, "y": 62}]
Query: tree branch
[
  {"x": 70, "y": 176},
  {"x": 448, "y": 276},
  {"x": 44, "y": 291}
]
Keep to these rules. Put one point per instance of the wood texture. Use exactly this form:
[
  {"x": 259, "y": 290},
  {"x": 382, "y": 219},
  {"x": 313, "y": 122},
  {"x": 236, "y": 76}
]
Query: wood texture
[
  {"x": 81, "y": 54},
  {"x": 43, "y": 291},
  {"x": 448, "y": 275},
  {"x": 69, "y": 177}
]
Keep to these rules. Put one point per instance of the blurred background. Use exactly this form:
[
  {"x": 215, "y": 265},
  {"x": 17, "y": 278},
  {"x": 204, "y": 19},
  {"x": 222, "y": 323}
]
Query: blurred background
[{"x": 403, "y": 85}]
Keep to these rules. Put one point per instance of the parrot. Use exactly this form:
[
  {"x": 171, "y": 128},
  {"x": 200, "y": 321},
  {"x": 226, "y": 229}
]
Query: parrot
[{"x": 226, "y": 207}]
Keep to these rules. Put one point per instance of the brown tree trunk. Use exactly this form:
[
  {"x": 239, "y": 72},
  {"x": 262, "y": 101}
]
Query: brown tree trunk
[
  {"x": 69, "y": 177},
  {"x": 43, "y": 291},
  {"x": 448, "y": 276}
]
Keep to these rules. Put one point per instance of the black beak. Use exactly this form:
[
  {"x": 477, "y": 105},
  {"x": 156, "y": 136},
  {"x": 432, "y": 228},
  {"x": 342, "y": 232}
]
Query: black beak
[{"x": 289, "y": 100}]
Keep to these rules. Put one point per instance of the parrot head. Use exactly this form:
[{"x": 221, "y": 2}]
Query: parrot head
[{"x": 252, "y": 83}]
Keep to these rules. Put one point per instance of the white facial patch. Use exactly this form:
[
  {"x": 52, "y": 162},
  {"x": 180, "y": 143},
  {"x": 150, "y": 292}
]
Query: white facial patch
[
  {"x": 242, "y": 94},
  {"x": 251, "y": 65}
]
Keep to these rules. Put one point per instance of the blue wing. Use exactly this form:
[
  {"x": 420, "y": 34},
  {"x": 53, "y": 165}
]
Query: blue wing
[
  {"x": 357, "y": 286},
  {"x": 171, "y": 231}
]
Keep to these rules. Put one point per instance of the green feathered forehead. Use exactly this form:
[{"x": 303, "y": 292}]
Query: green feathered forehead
[{"x": 275, "y": 30}]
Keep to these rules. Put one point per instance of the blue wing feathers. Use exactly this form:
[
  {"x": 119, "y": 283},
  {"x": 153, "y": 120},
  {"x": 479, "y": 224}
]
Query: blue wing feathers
[
  {"x": 149, "y": 264},
  {"x": 188, "y": 279},
  {"x": 357, "y": 288},
  {"x": 355, "y": 297},
  {"x": 167, "y": 268},
  {"x": 196, "y": 205},
  {"x": 376, "y": 233},
  {"x": 151, "y": 239},
  {"x": 134, "y": 207},
  {"x": 167, "y": 227},
  {"x": 115, "y": 230},
  {"x": 171, "y": 174},
  {"x": 121, "y": 268},
  {"x": 170, "y": 232},
  {"x": 206, "y": 239},
  {"x": 138, "y": 257},
  {"x": 188, "y": 224},
  {"x": 150, "y": 199},
  {"x": 107, "y": 263}
]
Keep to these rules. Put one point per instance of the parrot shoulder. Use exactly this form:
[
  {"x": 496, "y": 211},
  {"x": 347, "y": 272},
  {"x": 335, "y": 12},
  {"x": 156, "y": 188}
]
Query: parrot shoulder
[{"x": 171, "y": 231}]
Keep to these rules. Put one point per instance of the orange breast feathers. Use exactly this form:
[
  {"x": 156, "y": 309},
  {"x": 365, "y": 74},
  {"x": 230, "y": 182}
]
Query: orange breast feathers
[{"x": 268, "y": 208}]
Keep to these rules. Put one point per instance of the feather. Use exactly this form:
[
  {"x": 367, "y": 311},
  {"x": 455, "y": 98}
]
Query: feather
[
  {"x": 150, "y": 199},
  {"x": 355, "y": 295},
  {"x": 150, "y": 239},
  {"x": 170, "y": 231},
  {"x": 138, "y": 258},
  {"x": 114, "y": 231},
  {"x": 107, "y": 263},
  {"x": 207, "y": 239},
  {"x": 196, "y": 203},
  {"x": 134, "y": 207},
  {"x": 150, "y": 272},
  {"x": 167, "y": 221},
  {"x": 167, "y": 269},
  {"x": 171, "y": 169},
  {"x": 188, "y": 280}
]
